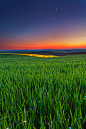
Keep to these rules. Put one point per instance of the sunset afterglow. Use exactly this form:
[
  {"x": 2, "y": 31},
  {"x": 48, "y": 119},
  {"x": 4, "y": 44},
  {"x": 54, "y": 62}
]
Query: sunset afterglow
[{"x": 42, "y": 24}]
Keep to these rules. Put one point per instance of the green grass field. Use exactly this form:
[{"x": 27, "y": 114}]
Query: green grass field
[{"x": 42, "y": 93}]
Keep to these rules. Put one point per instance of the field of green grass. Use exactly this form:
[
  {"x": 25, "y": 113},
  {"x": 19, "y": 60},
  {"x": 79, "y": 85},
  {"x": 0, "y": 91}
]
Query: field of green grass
[{"x": 42, "y": 93}]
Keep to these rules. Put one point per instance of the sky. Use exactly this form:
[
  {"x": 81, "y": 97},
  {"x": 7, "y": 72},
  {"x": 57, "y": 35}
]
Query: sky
[{"x": 42, "y": 24}]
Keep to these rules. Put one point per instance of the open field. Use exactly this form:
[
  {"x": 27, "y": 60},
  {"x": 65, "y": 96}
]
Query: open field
[
  {"x": 55, "y": 53},
  {"x": 42, "y": 93},
  {"x": 34, "y": 55}
]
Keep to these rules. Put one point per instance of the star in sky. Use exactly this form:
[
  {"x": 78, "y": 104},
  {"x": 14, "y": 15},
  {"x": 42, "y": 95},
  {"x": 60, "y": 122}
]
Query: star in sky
[{"x": 56, "y": 9}]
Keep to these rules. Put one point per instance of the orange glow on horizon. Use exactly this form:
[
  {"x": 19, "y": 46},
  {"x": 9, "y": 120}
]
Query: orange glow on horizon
[
  {"x": 18, "y": 47},
  {"x": 66, "y": 40}
]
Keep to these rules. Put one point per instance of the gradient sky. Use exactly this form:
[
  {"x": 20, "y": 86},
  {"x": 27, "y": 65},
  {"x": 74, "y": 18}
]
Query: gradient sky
[{"x": 42, "y": 24}]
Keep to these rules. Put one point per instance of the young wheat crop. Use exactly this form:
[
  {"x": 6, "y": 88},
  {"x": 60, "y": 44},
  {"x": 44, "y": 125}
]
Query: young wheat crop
[{"x": 42, "y": 93}]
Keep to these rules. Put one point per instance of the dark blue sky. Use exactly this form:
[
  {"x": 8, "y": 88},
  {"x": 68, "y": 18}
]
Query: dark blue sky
[{"x": 36, "y": 21}]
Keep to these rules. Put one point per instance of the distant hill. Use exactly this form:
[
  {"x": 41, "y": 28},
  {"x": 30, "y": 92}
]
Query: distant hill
[
  {"x": 47, "y": 50},
  {"x": 57, "y": 52}
]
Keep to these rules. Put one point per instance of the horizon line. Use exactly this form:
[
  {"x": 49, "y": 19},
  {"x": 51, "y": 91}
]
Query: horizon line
[{"x": 43, "y": 49}]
